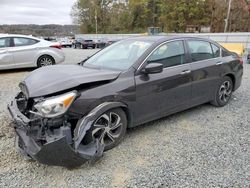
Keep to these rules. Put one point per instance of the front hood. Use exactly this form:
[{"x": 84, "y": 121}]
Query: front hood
[{"x": 52, "y": 79}]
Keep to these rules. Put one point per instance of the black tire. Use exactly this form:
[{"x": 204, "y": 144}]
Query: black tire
[
  {"x": 223, "y": 92},
  {"x": 100, "y": 129},
  {"x": 41, "y": 62}
]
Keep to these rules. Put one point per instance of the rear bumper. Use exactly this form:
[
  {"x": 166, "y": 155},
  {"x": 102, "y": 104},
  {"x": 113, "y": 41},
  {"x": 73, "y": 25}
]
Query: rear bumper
[
  {"x": 90, "y": 45},
  {"x": 56, "y": 150}
]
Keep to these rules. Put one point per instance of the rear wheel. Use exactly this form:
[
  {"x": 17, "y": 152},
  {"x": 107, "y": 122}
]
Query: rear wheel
[
  {"x": 109, "y": 128},
  {"x": 224, "y": 92},
  {"x": 45, "y": 60}
]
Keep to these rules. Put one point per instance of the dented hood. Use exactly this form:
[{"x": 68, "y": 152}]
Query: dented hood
[{"x": 52, "y": 79}]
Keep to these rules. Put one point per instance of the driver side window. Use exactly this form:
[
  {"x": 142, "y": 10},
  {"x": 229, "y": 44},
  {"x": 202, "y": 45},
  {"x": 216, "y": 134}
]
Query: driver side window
[
  {"x": 5, "y": 43},
  {"x": 169, "y": 54}
]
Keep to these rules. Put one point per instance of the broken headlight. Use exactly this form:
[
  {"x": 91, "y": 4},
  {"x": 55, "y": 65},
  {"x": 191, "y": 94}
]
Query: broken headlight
[{"x": 55, "y": 106}]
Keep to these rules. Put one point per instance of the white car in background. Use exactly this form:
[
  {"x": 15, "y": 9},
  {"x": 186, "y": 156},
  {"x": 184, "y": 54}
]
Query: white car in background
[
  {"x": 19, "y": 51},
  {"x": 65, "y": 42}
]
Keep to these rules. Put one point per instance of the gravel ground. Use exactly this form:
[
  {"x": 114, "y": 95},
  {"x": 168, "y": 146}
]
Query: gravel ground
[{"x": 201, "y": 147}]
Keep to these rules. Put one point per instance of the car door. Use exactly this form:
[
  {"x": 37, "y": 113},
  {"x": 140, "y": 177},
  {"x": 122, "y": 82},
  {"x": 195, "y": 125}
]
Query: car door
[
  {"x": 169, "y": 91},
  {"x": 24, "y": 51},
  {"x": 6, "y": 58},
  {"x": 205, "y": 58}
]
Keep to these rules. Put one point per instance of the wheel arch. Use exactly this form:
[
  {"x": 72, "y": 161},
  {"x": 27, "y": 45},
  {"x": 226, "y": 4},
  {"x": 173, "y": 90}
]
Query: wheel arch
[
  {"x": 230, "y": 75},
  {"x": 85, "y": 123},
  {"x": 128, "y": 115},
  {"x": 110, "y": 105}
]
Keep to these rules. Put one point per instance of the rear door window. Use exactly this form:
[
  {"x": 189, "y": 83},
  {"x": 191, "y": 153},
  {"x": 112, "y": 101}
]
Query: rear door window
[
  {"x": 216, "y": 50},
  {"x": 19, "y": 41},
  {"x": 199, "y": 50},
  {"x": 5, "y": 42},
  {"x": 225, "y": 53}
]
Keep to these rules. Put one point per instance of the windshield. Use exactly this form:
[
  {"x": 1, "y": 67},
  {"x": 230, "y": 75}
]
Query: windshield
[{"x": 119, "y": 56}]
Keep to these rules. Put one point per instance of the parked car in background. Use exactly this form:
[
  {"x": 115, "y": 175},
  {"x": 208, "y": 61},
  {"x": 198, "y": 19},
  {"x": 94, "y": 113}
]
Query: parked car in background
[
  {"x": 88, "y": 44},
  {"x": 66, "y": 114},
  {"x": 20, "y": 51},
  {"x": 77, "y": 43},
  {"x": 66, "y": 42},
  {"x": 84, "y": 43},
  {"x": 109, "y": 42},
  {"x": 51, "y": 39},
  {"x": 101, "y": 43}
]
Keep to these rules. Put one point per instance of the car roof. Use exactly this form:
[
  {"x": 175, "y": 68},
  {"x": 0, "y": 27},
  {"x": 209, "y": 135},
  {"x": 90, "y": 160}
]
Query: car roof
[
  {"x": 3, "y": 35},
  {"x": 162, "y": 38}
]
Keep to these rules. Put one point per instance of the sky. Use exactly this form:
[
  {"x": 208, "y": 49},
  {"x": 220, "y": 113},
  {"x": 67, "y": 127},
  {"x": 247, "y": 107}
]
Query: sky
[{"x": 35, "y": 12}]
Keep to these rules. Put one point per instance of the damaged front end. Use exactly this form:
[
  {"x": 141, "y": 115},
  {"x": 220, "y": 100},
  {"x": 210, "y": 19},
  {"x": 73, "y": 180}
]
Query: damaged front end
[{"x": 52, "y": 140}]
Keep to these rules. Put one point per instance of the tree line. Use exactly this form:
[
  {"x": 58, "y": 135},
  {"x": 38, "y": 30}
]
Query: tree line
[
  {"x": 169, "y": 15},
  {"x": 41, "y": 30}
]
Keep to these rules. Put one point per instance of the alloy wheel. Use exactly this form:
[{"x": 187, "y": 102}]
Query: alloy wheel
[
  {"x": 107, "y": 128},
  {"x": 225, "y": 92}
]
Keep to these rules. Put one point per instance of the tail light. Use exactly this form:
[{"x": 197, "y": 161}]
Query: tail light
[
  {"x": 238, "y": 57},
  {"x": 58, "y": 46},
  {"x": 241, "y": 60}
]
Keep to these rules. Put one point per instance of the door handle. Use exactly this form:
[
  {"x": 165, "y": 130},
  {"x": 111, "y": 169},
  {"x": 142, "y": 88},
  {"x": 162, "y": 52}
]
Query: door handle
[
  {"x": 219, "y": 63},
  {"x": 185, "y": 72}
]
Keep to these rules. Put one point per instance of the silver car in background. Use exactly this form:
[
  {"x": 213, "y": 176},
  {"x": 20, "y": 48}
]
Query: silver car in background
[{"x": 20, "y": 51}]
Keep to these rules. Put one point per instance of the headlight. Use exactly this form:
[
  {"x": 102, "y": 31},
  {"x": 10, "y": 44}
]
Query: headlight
[{"x": 55, "y": 106}]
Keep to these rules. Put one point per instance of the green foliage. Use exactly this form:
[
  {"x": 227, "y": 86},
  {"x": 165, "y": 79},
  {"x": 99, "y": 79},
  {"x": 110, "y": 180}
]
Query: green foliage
[
  {"x": 169, "y": 15},
  {"x": 179, "y": 14}
]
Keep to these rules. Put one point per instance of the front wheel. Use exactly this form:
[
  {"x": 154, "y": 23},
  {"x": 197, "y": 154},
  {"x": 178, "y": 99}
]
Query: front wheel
[
  {"x": 109, "y": 128},
  {"x": 223, "y": 92}
]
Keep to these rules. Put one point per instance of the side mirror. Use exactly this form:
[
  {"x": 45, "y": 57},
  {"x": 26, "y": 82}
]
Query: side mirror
[{"x": 153, "y": 68}]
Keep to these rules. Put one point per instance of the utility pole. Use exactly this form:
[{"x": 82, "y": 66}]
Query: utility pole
[
  {"x": 96, "y": 24},
  {"x": 153, "y": 13},
  {"x": 228, "y": 15}
]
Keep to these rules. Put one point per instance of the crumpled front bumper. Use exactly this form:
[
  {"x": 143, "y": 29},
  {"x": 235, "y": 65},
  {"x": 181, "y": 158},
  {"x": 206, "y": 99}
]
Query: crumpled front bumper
[{"x": 57, "y": 151}]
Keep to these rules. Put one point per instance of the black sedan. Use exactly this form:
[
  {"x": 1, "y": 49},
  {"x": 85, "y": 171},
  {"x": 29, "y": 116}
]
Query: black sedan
[{"x": 67, "y": 114}]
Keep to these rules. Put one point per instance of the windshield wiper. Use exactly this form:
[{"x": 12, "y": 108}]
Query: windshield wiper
[{"x": 83, "y": 61}]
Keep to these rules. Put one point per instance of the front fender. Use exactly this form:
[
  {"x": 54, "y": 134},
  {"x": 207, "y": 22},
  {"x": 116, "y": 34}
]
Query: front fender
[{"x": 84, "y": 124}]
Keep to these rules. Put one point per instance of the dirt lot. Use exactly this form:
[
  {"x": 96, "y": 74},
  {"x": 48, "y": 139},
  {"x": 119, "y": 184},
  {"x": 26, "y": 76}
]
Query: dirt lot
[{"x": 201, "y": 147}]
